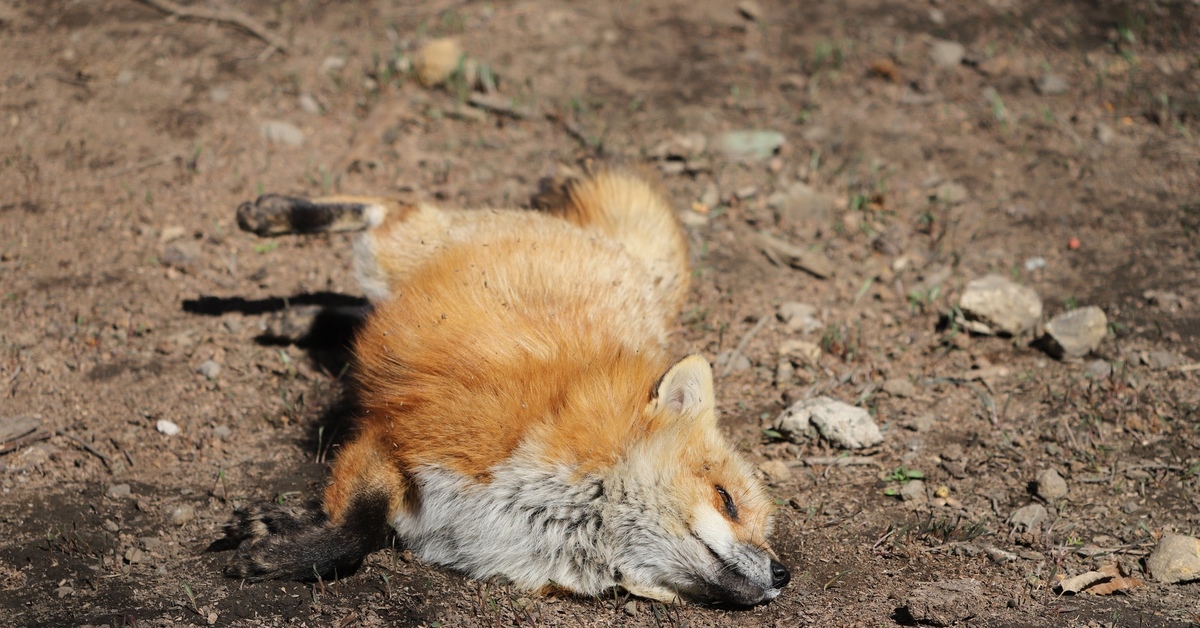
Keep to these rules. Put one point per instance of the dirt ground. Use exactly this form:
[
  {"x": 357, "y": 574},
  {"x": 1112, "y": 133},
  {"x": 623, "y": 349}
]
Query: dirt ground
[{"x": 1059, "y": 149}]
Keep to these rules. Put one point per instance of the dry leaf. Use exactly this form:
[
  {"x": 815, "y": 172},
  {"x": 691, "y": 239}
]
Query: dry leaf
[{"x": 1104, "y": 581}]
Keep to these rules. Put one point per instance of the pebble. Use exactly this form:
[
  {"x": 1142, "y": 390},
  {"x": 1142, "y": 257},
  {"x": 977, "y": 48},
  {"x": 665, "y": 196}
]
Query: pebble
[
  {"x": 801, "y": 207},
  {"x": 183, "y": 514},
  {"x": 219, "y": 94},
  {"x": 332, "y": 64},
  {"x": 309, "y": 104},
  {"x": 119, "y": 491},
  {"x": 952, "y": 193},
  {"x": 1161, "y": 360},
  {"x": 749, "y": 145},
  {"x": 1175, "y": 559},
  {"x": 630, "y": 608},
  {"x": 281, "y": 132},
  {"x": 1035, "y": 263},
  {"x": 1028, "y": 518},
  {"x": 799, "y": 317},
  {"x": 1051, "y": 85},
  {"x": 1051, "y": 486},
  {"x": 993, "y": 304},
  {"x": 842, "y": 424},
  {"x": 1076, "y": 333},
  {"x": 1104, "y": 134},
  {"x": 785, "y": 374},
  {"x": 167, "y": 427},
  {"x": 946, "y": 603},
  {"x": 922, "y": 423},
  {"x": 222, "y": 432},
  {"x": 1099, "y": 369},
  {"x": 776, "y": 471},
  {"x": 947, "y": 54},
  {"x": 63, "y": 591},
  {"x": 914, "y": 491},
  {"x": 750, "y": 9},
  {"x": 209, "y": 369},
  {"x": 181, "y": 255},
  {"x": 899, "y": 387},
  {"x": 124, "y": 77},
  {"x": 171, "y": 233}
]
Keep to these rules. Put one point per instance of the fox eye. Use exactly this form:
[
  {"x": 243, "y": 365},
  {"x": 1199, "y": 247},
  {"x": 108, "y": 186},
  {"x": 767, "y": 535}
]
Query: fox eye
[{"x": 727, "y": 501}]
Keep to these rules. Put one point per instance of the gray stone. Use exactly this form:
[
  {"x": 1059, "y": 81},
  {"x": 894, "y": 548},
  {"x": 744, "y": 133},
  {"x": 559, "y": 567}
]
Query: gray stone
[
  {"x": 899, "y": 387},
  {"x": 1076, "y": 333},
  {"x": 124, "y": 77},
  {"x": 309, "y": 104},
  {"x": 946, "y": 603},
  {"x": 749, "y": 9},
  {"x": 735, "y": 362},
  {"x": 281, "y": 132},
  {"x": 801, "y": 207},
  {"x": 1104, "y": 134},
  {"x": 332, "y": 64},
  {"x": 952, "y": 193},
  {"x": 209, "y": 369},
  {"x": 219, "y": 94},
  {"x": 947, "y": 54},
  {"x": 785, "y": 374},
  {"x": 995, "y": 305},
  {"x": 1175, "y": 559},
  {"x": 1028, "y": 518},
  {"x": 1051, "y": 85},
  {"x": 182, "y": 514},
  {"x": 222, "y": 432},
  {"x": 181, "y": 255},
  {"x": 751, "y": 145},
  {"x": 1161, "y": 360},
  {"x": 1099, "y": 369},
  {"x": 842, "y": 424},
  {"x": 119, "y": 491},
  {"x": 914, "y": 491},
  {"x": 1051, "y": 486}
]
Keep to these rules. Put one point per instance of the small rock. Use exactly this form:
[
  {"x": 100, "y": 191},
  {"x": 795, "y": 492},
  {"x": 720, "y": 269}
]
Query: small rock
[
  {"x": 182, "y": 514},
  {"x": 219, "y": 94},
  {"x": 998, "y": 555},
  {"x": 124, "y": 77},
  {"x": 1161, "y": 360},
  {"x": 151, "y": 543},
  {"x": 221, "y": 432},
  {"x": 993, "y": 304},
  {"x": 937, "y": 16},
  {"x": 167, "y": 427},
  {"x": 801, "y": 207},
  {"x": 945, "y": 603},
  {"x": 841, "y": 423},
  {"x": 899, "y": 387},
  {"x": 1076, "y": 333},
  {"x": 1028, "y": 518},
  {"x": 1051, "y": 486},
  {"x": 735, "y": 362},
  {"x": 799, "y": 317},
  {"x": 947, "y": 54},
  {"x": 630, "y": 608},
  {"x": 1099, "y": 369},
  {"x": 951, "y": 193},
  {"x": 309, "y": 104},
  {"x": 785, "y": 374},
  {"x": 776, "y": 471},
  {"x": 332, "y": 64},
  {"x": 281, "y": 132},
  {"x": 1050, "y": 85},
  {"x": 111, "y": 526},
  {"x": 1163, "y": 299},
  {"x": 181, "y": 255},
  {"x": 914, "y": 491},
  {"x": 1035, "y": 263},
  {"x": 135, "y": 555},
  {"x": 800, "y": 352},
  {"x": 1104, "y": 134},
  {"x": 1175, "y": 559},
  {"x": 711, "y": 196},
  {"x": 209, "y": 369},
  {"x": 172, "y": 233},
  {"x": 119, "y": 491},
  {"x": 749, "y": 10},
  {"x": 922, "y": 423},
  {"x": 437, "y": 60},
  {"x": 63, "y": 591},
  {"x": 751, "y": 145}
]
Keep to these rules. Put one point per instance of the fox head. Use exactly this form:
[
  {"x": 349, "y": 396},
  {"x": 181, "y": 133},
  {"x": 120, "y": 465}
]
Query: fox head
[{"x": 691, "y": 518}]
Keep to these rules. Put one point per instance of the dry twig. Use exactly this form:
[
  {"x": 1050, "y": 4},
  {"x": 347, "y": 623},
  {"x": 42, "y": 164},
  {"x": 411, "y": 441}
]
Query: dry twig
[{"x": 221, "y": 16}]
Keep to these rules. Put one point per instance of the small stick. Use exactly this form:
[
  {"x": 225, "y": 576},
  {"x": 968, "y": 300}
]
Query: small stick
[
  {"x": 222, "y": 16},
  {"x": 139, "y": 166},
  {"x": 762, "y": 321},
  {"x": 86, "y": 447},
  {"x": 834, "y": 461}
]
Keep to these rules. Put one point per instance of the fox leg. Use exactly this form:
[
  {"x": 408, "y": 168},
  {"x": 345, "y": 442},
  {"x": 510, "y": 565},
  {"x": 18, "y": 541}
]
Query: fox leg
[
  {"x": 631, "y": 210},
  {"x": 296, "y": 543}
]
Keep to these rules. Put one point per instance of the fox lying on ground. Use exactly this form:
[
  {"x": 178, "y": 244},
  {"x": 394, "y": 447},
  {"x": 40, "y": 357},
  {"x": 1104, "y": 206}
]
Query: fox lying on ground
[{"x": 520, "y": 416}]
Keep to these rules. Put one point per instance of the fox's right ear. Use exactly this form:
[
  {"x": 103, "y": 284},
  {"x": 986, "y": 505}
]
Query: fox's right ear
[{"x": 686, "y": 388}]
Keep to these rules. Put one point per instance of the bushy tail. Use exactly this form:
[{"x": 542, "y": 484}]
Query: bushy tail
[{"x": 275, "y": 214}]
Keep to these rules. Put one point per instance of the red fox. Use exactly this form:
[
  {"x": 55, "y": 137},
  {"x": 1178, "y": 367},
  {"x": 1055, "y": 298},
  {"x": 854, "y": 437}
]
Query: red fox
[{"x": 520, "y": 416}]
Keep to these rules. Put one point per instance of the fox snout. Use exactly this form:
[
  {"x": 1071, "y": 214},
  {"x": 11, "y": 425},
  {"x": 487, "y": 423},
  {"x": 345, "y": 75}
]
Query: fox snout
[{"x": 738, "y": 586}]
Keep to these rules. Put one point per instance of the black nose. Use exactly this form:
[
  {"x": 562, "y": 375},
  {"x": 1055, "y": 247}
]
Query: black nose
[{"x": 779, "y": 575}]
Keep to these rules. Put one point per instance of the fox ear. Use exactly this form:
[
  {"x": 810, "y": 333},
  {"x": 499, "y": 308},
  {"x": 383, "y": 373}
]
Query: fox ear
[{"x": 686, "y": 388}]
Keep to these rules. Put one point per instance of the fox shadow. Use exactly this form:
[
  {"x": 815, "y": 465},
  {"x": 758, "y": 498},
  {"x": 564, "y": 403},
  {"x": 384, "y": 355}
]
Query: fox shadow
[{"x": 323, "y": 325}]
